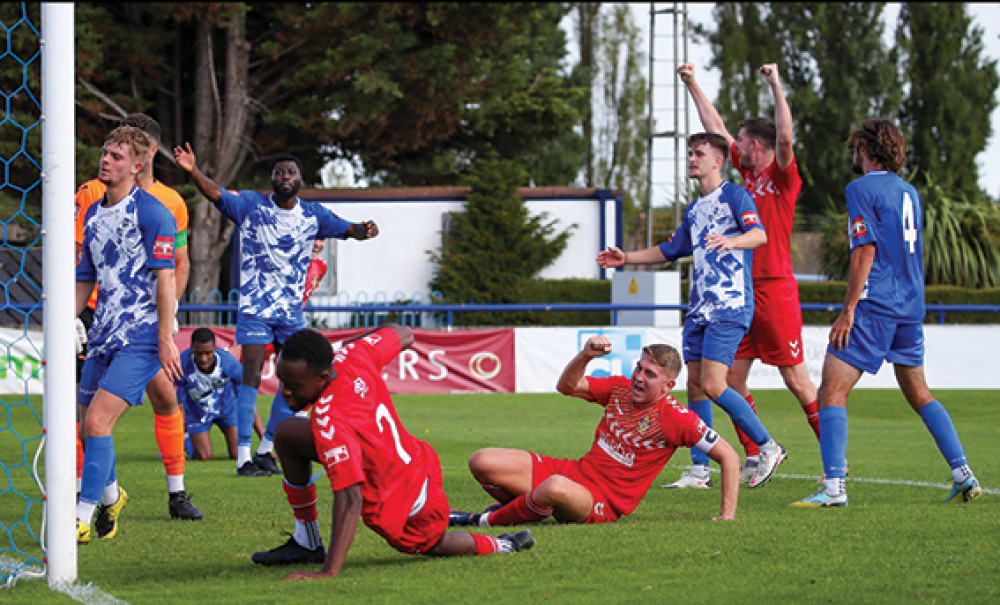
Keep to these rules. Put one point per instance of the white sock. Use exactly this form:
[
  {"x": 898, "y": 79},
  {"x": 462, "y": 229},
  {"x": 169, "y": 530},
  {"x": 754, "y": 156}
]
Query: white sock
[
  {"x": 699, "y": 470},
  {"x": 835, "y": 486},
  {"x": 84, "y": 511},
  {"x": 960, "y": 474},
  {"x": 242, "y": 455},
  {"x": 175, "y": 483},
  {"x": 307, "y": 534},
  {"x": 754, "y": 458},
  {"x": 110, "y": 494},
  {"x": 265, "y": 447}
]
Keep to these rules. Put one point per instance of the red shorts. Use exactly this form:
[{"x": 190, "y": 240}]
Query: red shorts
[
  {"x": 775, "y": 335},
  {"x": 425, "y": 528},
  {"x": 543, "y": 467}
]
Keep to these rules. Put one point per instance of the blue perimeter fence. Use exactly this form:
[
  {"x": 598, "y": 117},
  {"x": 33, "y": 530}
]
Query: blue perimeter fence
[{"x": 326, "y": 310}]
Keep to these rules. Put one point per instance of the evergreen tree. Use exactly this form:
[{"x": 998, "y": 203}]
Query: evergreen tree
[
  {"x": 491, "y": 251},
  {"x": 952, "y": 87}
]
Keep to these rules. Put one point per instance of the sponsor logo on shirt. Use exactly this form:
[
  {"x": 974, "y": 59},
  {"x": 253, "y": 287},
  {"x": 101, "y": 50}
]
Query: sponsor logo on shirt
[
  {"x": 360, "y": 387},
  {"x": 336, "y": 455},
  {"x": 858, "y": 228},
  {"x": 163, "y": 248},
  {"x": 749, "y": 218},
  {"x": 617, "y": 451},
  {"x": 233, "y": 191}
]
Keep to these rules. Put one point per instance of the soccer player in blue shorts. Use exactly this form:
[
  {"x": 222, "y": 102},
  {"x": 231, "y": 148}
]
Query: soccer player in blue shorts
[
  {"x": 719, "y": 228},
  {"x": 128, "y": 251},
  {"x": 883, "y": 313},
  {"x": 276, "y": 237},
  {"x": 209, "y": 392}
]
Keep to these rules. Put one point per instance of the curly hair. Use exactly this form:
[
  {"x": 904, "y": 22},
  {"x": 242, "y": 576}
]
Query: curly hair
[
  {"x": 309, "y": 346},
  {"x": 882, "y": 141},
  {"x": 144, "y": 123}
]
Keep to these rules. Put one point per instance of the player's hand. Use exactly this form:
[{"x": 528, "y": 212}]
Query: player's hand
[
  {"x": 185, "y": 157},
  {"x": 840, "y": 331},
  {"x": 170, "y": 359},
  {"x": 305, "y": 574},
  {"x": 715, "y": 241},
  {"x": 610, "y": 258},
  {"x": 597, "y": 346},
  {"x": 371, "y": 229},
  {"x": 686, "y": 72},
  {"x": 770, "y": 73},
  {"x": 81, "y": 336}
]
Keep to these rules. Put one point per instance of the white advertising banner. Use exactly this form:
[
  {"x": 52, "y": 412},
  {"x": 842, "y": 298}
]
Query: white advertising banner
[{"x": 956, "y": 357}]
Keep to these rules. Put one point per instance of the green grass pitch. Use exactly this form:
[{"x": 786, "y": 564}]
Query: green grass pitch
[{"x": 896, "y": 542}]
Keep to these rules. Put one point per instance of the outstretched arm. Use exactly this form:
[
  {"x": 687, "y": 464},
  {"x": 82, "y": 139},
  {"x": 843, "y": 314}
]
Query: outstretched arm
[
  {"x": 344, "y": 525},
  {"x": 614, "y": 257},
  {"x": 186, "y": 160},
  {"x": 783, "y": 152},
  {"x": 711, "y": 121}
]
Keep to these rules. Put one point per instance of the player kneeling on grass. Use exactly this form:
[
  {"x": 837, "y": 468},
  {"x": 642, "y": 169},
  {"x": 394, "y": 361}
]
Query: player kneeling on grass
[
  {"x": 377, "y": 469},
  {"x": 641, "y": 427}
]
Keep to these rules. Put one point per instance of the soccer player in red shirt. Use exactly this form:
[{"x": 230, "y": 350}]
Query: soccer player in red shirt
[
  {"x": 641, "y": 427},
  {"x": 764, "y": 155},
  {"x": 378, "y": 471}
]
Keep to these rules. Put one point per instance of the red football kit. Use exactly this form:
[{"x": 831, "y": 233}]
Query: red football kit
[
  {"x": 631, "y": 447},
  {"x": 775, "y": 335},
  {"x": 360, "y": 439}
]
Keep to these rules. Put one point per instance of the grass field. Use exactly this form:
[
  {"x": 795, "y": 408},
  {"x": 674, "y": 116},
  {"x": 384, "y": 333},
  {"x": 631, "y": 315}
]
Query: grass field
[{"x": 896, "y": 542}]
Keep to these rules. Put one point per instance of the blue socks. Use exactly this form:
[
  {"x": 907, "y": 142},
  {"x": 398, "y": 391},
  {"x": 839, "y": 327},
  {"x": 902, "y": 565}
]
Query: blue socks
[
  {"x": 743, "y": 416},
  {"x": 244, "y": 417},
  {"x": 833, "y": 440},
  {"x": 279, "y": 411},
  {"x": 704, "y": 410},
  {"x": 98, "y": 466},
  {"x": 938, "y": 422}
]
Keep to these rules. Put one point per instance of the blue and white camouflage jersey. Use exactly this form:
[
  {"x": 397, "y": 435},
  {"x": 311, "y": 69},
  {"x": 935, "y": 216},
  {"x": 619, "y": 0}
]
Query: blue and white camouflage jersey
[
  {"x": 207, "y": 396},
  {"x": 722, "y": 287},
  {"x": 122, "y": 246},
  {"x": 275, "y": 245}
]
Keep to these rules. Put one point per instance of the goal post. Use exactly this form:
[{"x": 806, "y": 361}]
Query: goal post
[{"x": 58, "y": 269}]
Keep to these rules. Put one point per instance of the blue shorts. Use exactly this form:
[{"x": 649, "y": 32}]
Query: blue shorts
[
  {"x": 717, "y": 341},
  {"x": 251, "y": 330},
  {"x": 124, "y": 373},
  {"x": 198, "y": 420},
  {"x": 875, "y": 339}
]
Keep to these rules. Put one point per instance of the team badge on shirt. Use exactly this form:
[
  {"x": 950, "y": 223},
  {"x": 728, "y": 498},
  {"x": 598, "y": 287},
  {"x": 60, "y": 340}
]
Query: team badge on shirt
[
  {"x": 858, "y": 228},
  {"x": 163, "y": 248},
  {"x": 749, "y": 218},
  {"x": 644, "y": 423}
]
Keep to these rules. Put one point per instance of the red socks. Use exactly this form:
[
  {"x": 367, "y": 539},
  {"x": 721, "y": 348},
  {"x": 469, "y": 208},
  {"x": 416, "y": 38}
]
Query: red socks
[
  {"x": 303, "y": 502},
  {"x": 522, "y": 509}
]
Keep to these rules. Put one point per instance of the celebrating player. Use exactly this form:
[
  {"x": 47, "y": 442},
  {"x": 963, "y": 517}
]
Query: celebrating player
[
  {"x": 209, "y": 391},
  {"x": 883, "y": 314},
  {"x": 378, "y": 471},
  {"x": 765, "y": 157},
  {"x": 276, "y": 232},
  {"x": 719, "y": 228},
  {"x": 128, "y": 247},
  {"x": 641, "y": 427}
]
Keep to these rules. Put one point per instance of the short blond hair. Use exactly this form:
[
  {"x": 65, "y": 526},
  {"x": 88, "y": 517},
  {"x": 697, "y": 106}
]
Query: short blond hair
[
  {"x": 666, "y": 357},
  {"x": 133, "y": 137}
]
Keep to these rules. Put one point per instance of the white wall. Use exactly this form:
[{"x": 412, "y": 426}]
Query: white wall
[{"x": 397, "y": 260}]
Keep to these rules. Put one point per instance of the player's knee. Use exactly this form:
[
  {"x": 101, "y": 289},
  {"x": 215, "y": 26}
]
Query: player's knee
[
  {"x": 556, "y": 489},
  {"x": 482, "y": 462}
]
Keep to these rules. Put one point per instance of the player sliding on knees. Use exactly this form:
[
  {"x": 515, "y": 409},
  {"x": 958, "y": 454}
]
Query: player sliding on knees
[
  {"x": 641, "y": 428},
  {"x": 378, "y": 471}
]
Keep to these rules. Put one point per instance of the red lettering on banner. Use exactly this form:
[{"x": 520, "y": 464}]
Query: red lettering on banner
[{"x": 472, "y": 361}]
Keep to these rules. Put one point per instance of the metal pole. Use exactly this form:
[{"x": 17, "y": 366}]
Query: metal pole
[{"x": 58, "y": 175}]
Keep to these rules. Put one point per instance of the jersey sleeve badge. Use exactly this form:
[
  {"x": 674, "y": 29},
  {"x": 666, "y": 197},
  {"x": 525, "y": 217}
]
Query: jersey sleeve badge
[{"x": 163, "y": 248}]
